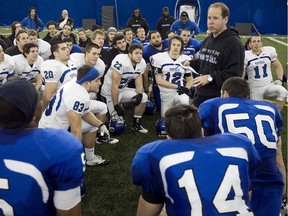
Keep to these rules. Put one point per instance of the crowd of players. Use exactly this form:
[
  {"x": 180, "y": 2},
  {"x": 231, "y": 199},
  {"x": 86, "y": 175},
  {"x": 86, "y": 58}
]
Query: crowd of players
[{"x": 85, "y": 83}]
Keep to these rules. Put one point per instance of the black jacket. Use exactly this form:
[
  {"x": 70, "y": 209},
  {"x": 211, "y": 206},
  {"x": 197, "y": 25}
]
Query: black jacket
[
  {"x": 221, "y": 57},
  {"x": 163, "y": 25},
  {"x": 135, "y": 23}
]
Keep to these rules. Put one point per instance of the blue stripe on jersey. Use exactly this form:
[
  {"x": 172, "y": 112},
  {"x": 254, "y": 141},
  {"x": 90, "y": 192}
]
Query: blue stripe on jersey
[
  {"x": 134, "y": 72},
  {"x": 257, "y": 59},
  {"x": 4, "y": 72},
  {"x": 65, "y": 73},
  {"x": 60, "y": 99},
  {"x": 86, "y": 109},
  {"x": 28, "y": 72}
]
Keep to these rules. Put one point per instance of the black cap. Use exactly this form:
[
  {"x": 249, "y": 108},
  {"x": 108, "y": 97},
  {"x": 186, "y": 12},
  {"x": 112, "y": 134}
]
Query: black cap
[
  {"x": 184, "y": 14},
  {"x": 165, "y": 9},
  {"x": 22, "y": 94}
]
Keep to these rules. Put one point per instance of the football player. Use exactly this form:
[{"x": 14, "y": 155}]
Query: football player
[
  {"x": 191, "y": 174},
  {"x": 173, "y": 80},
  {"x": 43, "y": 46},
  {"x": 155, "y": 46},
  {"x": 91, "y": 57},
  {"x": 6, "y": 67},
  {"x": 70, "y": 105},
  {"x": 261, "y": 122},
  {"x": 191, "y": 45},
  {"x": 56, "y": 72},
  {"x": 125, "y": 68},
  {"x": 257, "y": 65},
  {"x": 37, "y": 178},
  {"x": 27, "y": 65}
]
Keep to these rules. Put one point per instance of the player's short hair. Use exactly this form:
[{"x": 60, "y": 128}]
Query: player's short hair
[
  {"x": 126, "y": 30},
  {"x": 183, "y": 122},
  {"x": 68, "y": 39},
  {"x": 51, "y": 23},
  {"x": 32, "y": 32},
  {"x": 236, "y": 87},
  {"x": 152, "y": 32},
  {"x": 224, "y": 9},
  {"x": 89, "y": 47},
  {"x": 133, "y": 47},
  {"x": 68, "y": 24},
  {"x": 140, "y": 27},
  {"x": 97, "y": 32},
  {"x": 118, "y": 37},
  {"x": 82, "y": 30},
  {"x": 17, "y": 36},
  {"x": 256, "y": 35},
  {"x": 27, "y": 47},
  {"x": 55, "y": 46},
  {"x": 176, "y": 37},
  {"x": 186, "y": 30}
]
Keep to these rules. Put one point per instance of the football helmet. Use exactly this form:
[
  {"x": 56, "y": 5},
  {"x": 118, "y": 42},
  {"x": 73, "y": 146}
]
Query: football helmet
[
  {"x": 160, "y": 127},
  {"x": 150, "y": 108},
  {"x": 117, "y": 125}
]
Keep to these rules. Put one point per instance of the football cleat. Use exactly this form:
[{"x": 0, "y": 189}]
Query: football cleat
[{"x": 97, "y": 160}]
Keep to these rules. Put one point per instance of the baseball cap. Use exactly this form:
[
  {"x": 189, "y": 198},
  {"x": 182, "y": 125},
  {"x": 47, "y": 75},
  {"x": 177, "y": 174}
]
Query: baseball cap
[
  {"x": 111, "y": 29},
  {"x": 184, "y": 14},
  {"x": 23, "y": 95}
]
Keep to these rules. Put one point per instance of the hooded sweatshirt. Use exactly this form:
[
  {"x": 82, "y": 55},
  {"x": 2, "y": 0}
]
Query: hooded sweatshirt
[
  {"x": 136, "y": 22},
  {"x": 221, "y": 57},
  {"x": 164, "y": 24}
]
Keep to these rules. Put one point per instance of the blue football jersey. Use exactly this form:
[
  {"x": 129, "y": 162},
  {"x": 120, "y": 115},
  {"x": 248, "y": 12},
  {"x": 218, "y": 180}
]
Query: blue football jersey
[
  {"x": 33, "y": 164},
  {"x": 260, "y": 121},
  {"x": 201, "y": 177},
  {"x": 150, "y": 50}
]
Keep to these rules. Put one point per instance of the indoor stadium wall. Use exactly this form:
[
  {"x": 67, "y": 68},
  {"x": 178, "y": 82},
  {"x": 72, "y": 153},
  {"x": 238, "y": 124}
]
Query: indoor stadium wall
[{"x": 268, "y": 16}]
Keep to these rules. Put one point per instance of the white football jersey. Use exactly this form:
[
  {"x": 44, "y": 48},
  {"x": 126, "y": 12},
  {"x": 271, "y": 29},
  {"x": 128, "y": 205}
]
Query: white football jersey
[
  {"x": 70, "y": 97},
  {"x": 123, "y": 65},
  {"x": 6, "y": 68},
  {"x": 171, "y": 71},
  {"x": 25, "y": 71},
  {"x": 258, "y": 67},
  {"x": 54, "y": 71},
  {"x": 79, "y": 59},
  {"x": 44, "y": 49}
]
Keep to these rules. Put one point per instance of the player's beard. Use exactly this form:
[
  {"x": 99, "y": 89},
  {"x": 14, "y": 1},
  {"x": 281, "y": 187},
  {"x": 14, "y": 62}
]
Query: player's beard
[{"x": 157, "y": 44}]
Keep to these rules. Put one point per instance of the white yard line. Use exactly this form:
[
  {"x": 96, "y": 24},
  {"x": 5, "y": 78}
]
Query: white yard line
[{"x": 277, "y": 41}]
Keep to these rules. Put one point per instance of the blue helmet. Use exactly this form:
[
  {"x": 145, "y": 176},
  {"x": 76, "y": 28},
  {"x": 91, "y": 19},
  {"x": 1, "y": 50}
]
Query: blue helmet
[
  {"x": 150, "y": 108},
  {"x": 160, "y": 127},
  {"x": 117, "y": 125}
]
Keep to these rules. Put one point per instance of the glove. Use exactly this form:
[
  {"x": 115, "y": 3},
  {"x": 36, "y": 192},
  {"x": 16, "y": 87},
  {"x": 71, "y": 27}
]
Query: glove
[
  {"x": 104, "y": 131},
  {"x": 278, "y": 82},
  {"x": 183, "y": 90},
  {"x": 137, "y": 99},
  {"x": 119, "y": 110}
]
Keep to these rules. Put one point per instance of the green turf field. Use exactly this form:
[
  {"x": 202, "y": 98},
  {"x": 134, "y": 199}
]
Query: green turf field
[{"x": 109, "y": 188}]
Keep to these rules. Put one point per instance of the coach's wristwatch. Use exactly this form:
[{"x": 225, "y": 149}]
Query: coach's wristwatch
[{"x": 210, "y": 79}]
